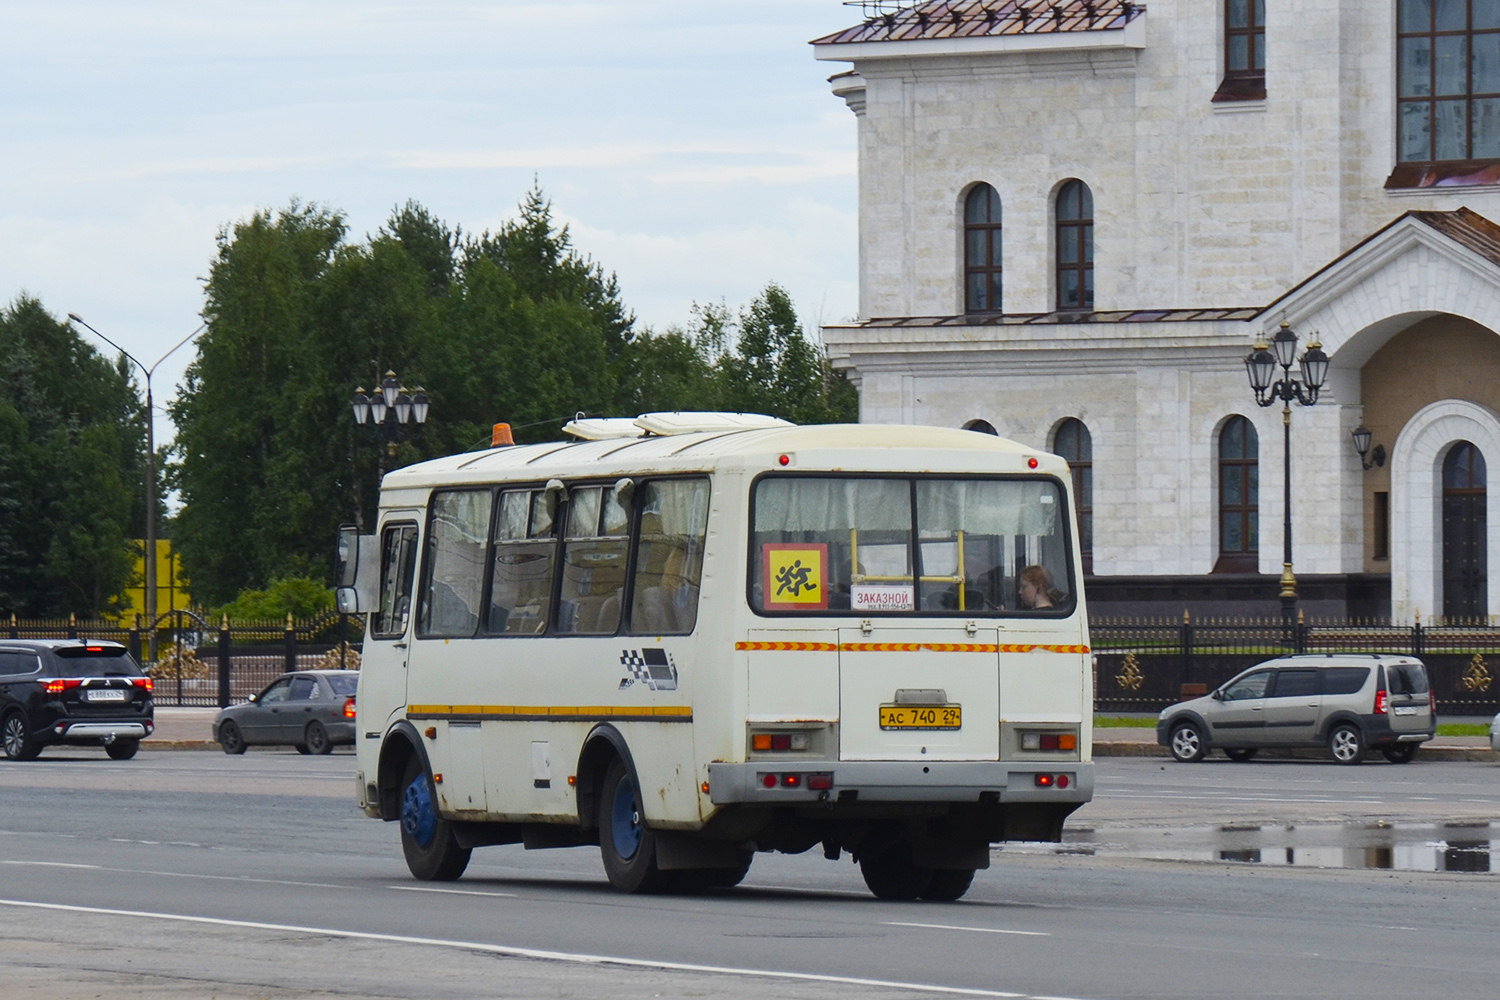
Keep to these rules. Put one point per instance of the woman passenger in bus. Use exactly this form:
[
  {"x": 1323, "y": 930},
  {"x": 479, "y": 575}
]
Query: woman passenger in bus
[{"x": 1037, "y": 589}]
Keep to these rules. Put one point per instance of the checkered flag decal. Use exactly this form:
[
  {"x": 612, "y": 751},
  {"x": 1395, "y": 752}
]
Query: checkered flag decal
[{"x": 651, "y": 667}]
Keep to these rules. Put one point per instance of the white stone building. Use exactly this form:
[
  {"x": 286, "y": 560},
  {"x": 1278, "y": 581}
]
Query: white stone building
[{"x": 1077, "y": 218}]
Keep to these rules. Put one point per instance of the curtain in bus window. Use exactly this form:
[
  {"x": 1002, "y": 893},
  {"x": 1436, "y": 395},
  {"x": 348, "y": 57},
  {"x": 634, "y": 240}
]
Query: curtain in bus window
[
  {"x": 669, "y": 556},
  {"x": 989, "y": 545},
  {"x": 521, "y": 590},
  {"x": 398, "y": 557},
  {"x": 832, "y": 543},
  {"x": 456, "y": 543},
  {"x": 594, "y": 551}
]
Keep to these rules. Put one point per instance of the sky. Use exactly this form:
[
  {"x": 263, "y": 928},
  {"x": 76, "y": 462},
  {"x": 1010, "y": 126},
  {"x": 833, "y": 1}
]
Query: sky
[{"x": 693, "y": 148}]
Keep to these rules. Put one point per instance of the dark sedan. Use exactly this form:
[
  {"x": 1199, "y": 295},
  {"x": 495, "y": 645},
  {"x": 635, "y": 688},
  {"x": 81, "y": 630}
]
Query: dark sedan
[{"x": 312, "y": 710}]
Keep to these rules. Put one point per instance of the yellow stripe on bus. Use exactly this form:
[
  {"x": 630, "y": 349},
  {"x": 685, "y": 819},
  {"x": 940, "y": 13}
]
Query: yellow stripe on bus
[{"x": 557, "y": 713}]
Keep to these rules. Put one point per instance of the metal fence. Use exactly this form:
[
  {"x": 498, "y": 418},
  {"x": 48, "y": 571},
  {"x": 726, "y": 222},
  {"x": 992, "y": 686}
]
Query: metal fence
[
  {"x": 197, "y": 662},
  {"x": 1147, "y": 664}
]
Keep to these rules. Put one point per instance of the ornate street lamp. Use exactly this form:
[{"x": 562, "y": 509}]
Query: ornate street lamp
[
  {"x": 1261, "y": 366},
  {"x": 1362, "y": 437},
  {"x": 390, "y": 409}
]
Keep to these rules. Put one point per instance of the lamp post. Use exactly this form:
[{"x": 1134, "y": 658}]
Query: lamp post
[
  {"x": 1260, "y": 365},
  {"x": 390, "y": 407},
  {"x": 150, "y": 553}
]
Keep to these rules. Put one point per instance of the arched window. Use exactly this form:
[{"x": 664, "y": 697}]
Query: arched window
[
  {"x": 982, "y": 250},
  {"x": 1075, "y": 246},
  {"x": 982, "y": 426},
  {"x": 1465, "y": 538},
  {"x": 1074, "y": 443},
  {"x": 1239, "y": 498}
]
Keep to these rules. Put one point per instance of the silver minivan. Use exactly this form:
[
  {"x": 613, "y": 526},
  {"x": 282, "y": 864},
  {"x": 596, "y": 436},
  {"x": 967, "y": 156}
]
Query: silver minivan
[{"x": 1347, "y": 702}]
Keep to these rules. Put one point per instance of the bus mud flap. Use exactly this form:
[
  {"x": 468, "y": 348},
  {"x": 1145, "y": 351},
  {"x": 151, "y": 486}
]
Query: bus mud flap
[{"x": 680, "y": 851}]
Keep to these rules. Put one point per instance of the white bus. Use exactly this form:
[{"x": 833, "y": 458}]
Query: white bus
[{"x": 689, "y": 637}]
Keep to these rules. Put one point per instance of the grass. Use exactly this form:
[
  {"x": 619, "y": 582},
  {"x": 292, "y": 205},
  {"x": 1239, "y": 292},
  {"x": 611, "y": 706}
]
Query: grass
[
  {"x": 1124, "y": 722},
  {"x": 1463, "y": 729},
  {"x": 1141, "y": 722}
]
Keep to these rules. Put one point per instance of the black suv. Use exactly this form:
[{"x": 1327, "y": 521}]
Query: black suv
[{"x": 78, "y": 691}]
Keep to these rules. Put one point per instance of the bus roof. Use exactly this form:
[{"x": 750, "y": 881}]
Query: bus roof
[{"x": 845, "y": 447}]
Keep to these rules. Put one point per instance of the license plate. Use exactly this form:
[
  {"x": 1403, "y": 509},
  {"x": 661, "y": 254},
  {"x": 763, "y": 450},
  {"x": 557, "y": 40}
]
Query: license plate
[
  {"x": 921, "y": 717},
  {"x": 1406, "y": 711},
  {"x": 106, "y": 694}
]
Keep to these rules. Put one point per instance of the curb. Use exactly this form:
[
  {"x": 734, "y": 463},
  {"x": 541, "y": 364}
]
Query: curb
[{"x": 1141, "y": 749}]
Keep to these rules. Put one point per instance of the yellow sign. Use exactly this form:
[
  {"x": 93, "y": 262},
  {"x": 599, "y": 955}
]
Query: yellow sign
[
  {"x": 795, "y": 575},
  {"x": 171, "y": 593}
]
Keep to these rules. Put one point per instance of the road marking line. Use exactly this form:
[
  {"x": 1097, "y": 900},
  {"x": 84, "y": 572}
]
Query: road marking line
[
  {"x": 217, "y": 878},
  {"x": 976, "y": 930},
  {"x": 514, "y": 952},
  {"x": 451, "y": 892}
]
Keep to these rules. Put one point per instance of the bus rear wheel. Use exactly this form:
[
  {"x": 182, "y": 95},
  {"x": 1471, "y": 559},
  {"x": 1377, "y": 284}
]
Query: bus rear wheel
[
  {"x": 948, "y": 884},
  {"x": 427, "y": 840},
  {"x": 626, "y": 844},
  {"x": 891, "y": 874}
]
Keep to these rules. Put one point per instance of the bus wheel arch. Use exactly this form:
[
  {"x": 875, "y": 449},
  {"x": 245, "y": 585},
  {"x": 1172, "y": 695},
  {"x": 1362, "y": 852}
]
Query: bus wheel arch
[
  {"x": 401, "y": 744},
  {"x": 603, "y": 745}
]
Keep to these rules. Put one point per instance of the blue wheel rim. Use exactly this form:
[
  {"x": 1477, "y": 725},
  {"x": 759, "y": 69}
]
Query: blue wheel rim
[
  {"x": 626, "y": 820},
  {"x": 418, "y": 818}
]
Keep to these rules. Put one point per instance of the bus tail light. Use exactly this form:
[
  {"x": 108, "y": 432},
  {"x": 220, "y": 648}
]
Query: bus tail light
[
  {"x": 1049, "y": 741},
  {"x": 768, "y": 780},
  {"x": 778, "y": 742},
  {"x": 791, "y": 781},
  {"x": 1044, "y": 781},
  {"x": 820, "y": 782}
]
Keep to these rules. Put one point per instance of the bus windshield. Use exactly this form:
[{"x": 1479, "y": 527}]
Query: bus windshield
[{"x": 909, "y": 545}]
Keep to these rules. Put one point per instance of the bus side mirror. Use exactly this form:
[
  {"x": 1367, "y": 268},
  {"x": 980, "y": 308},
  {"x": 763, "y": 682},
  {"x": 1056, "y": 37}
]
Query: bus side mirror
[{"x": 357, "y": 572}]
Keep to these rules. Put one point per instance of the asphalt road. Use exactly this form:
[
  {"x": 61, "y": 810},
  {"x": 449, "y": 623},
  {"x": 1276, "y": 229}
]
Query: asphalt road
[{"x": 196, "y": 875}]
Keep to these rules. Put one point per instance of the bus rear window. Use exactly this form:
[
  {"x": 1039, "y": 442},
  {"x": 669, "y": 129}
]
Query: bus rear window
[{"x": 901, "y": 545}]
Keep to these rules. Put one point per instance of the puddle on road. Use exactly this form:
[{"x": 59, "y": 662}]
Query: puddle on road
[{"x": 1421, "y": 847}]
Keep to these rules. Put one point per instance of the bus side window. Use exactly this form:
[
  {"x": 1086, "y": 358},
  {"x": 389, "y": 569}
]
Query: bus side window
[
  {"x": 525, "y": 552},
  {"x": 453, "y": 577},
  {"x": 594, "y": 551},
  {"x": 398, "y": 552},
  {"x": 669, "y": 559}
]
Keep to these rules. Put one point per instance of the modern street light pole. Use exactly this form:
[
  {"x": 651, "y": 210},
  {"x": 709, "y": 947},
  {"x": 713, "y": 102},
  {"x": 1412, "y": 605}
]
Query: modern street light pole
[
  {"x": 150, "y": 553},
  {"x": 1261, "y": 367}
]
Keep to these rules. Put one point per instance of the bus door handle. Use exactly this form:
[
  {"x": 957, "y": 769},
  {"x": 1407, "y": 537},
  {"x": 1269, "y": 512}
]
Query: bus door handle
[{"x": 399, "y": 645}]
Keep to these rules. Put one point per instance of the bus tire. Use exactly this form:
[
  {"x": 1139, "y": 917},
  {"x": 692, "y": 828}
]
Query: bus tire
[
  {"x": 891, "y": 874},
  {"x": 427, "y": 840},
  {"x": 626, "y": 844},
  {"x": 948, "y": 884}
]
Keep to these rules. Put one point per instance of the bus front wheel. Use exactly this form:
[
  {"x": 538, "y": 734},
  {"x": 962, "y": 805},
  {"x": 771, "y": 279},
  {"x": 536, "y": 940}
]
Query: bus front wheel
[
  {"x": 627, "y": 844},
  {"x": 427, "y": 840}
]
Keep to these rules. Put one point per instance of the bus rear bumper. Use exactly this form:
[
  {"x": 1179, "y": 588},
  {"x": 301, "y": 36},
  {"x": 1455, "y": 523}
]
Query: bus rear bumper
[{"x": 766, "y": 782}]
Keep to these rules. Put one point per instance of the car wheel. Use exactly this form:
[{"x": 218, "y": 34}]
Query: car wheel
[
  {"x": 13, "y": 736},
  {"x": 1241, "y": 753},
  {"x": 626, "y": 844},
  {"x": 1186, "y": 742},
  {"x": 891, "y": 874},
  {"x": 427, "y": 840},
  {"x": 122, "y": 749},
  {"x": 1401, "y": 753},
  {"x": 316, "y": 739},
  {"x": 948, "y": 884},
  {"x": 1346, "y": 743},
  {"x": 230, "y": 738},
  {"x": 301, "y": 748}
]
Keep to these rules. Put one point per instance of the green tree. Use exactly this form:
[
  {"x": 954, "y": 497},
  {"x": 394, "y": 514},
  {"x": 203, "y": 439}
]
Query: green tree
[
  {"x": 72, "y": 447},
  {"x": 301, "y": 597}
]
